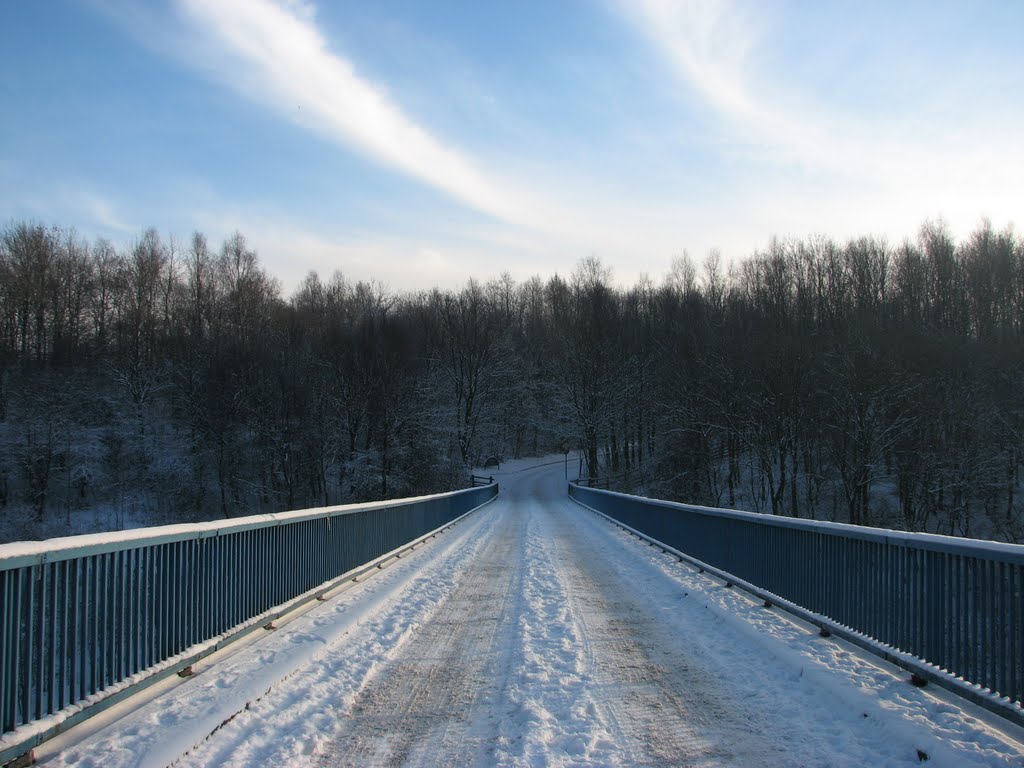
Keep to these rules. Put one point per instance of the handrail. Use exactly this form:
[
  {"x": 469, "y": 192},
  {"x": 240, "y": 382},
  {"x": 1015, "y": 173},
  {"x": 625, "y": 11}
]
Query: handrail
[
  {"x": 20, "y": 553},
  {"x": 951, "y": 609},
  {"x": 83, "y": 617}
]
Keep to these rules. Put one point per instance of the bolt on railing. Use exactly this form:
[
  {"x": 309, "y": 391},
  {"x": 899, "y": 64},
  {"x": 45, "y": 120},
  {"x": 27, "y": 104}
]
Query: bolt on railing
[
  {"x": 83, "y": 615},
  {"x": 956, "y": 605}
]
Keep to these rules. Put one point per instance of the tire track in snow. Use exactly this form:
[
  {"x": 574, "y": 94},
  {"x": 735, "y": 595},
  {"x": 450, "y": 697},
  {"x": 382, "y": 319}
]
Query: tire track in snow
[
  {"x": 496, "y": 676},
  {"x": 422, "y": 708},
  {"x": 660, "y": 699},
  {"x": 304, "y": 707},
  {"x": 551, "y": 716}
]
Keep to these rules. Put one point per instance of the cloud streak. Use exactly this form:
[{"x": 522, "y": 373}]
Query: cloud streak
[
  {"x": 709, "y": 45},
  {"x": 274, "y": 54},
  {"x": 944, "y": 166},
  {"x": 706, "y": 45}
]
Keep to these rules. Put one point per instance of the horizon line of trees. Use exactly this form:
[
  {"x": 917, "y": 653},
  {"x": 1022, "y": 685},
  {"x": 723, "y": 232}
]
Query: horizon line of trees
[{"x": 862, "y": 381}]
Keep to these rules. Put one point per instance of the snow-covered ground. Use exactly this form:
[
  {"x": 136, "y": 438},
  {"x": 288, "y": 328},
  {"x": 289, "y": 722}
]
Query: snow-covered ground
[{"x": 536, "y": 633}]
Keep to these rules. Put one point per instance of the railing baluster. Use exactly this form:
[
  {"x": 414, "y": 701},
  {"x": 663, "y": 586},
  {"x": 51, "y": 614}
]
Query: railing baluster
[
  {"x": 8, "y": 626},
  {"x": 63, "y": 636},
  {"x": 40, "y": 650},
  {"x": 90, "y": 619},
  {"x": 1015, "y": 635},
  {"x": 23, "y": 654}
]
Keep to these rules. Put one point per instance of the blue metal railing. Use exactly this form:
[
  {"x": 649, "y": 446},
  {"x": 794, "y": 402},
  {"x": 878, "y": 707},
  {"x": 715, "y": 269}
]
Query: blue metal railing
[
  {"x": 955, "y": 605},
  {"x": 82, "y": 615}
]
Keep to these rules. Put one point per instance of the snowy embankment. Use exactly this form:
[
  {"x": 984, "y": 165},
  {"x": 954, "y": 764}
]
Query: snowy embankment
[{"x": 536, "y": 633}]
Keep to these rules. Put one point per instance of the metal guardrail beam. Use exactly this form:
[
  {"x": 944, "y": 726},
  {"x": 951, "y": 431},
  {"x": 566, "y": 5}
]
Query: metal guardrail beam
[
  {"x": 950, "y": 610},
  {"x": 86, "y": 618}
]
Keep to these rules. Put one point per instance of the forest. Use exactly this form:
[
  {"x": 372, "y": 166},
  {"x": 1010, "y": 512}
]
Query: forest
[{"x": 168, "y": 381}]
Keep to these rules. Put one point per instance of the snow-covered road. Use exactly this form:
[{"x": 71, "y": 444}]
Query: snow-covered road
[{"x": 536, "y": 633}]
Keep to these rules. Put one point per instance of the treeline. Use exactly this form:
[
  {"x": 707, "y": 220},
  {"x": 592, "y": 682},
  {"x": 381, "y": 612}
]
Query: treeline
[
  {"x": 857, "y": 381},
  {"x": 164, "y": 382}
]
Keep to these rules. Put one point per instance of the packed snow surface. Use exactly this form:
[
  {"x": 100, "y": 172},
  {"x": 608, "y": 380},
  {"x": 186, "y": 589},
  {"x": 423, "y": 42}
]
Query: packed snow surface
[{"x": 536, "y": 633}]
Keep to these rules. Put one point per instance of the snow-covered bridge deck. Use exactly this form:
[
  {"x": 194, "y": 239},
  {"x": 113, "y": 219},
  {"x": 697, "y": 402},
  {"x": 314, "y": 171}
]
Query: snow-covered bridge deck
[{"x": 536, "y": 633}]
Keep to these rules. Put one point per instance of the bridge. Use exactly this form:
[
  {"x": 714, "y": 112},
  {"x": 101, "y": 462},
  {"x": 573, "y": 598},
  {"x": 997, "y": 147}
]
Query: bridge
[{"x": 529, "y": 626}]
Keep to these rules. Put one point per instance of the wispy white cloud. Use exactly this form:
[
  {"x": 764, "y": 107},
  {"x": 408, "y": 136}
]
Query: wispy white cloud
[
  {"x": 780, "y": 158},
  {"x": 67, "y": 203},
  {"x": 708, "y": 42},
  {"x": 102, "y": 210},
  {"x": 711, "y": 46},
  {"x": 274, "y": 53},
  {"x": 954, "y": 165}
]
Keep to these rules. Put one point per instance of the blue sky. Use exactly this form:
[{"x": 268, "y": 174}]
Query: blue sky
[{"x": 424, "y": 141}]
